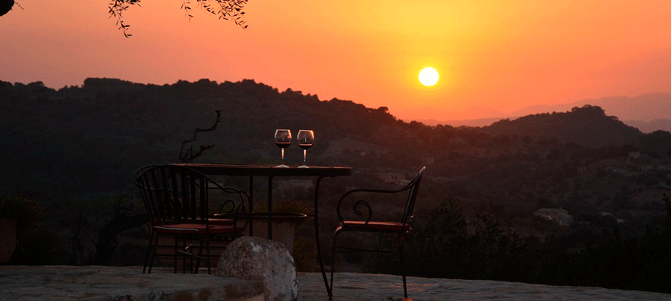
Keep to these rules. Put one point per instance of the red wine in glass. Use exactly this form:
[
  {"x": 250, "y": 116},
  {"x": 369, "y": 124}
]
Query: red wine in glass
[
  {"x": 305, "y": 139},
  {"x": 282, "y": 140},
  {"x": 283, "y": 144}
]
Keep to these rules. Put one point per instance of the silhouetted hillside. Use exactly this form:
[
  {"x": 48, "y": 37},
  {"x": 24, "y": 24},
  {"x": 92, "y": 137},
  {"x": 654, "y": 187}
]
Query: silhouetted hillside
[
  {"x": 644, "y": 107},
  {"x": 652, "y": 125},
  {"x": 78, "y": 147},
  {"x": 648, "y": 112},
  {"x": 587, "y": 126},
  {"x": 81, "y": 140}
]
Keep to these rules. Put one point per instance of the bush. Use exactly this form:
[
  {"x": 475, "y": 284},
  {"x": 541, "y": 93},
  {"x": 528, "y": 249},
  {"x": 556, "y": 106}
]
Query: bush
[
  {"x": 448, "y": 245},
  {"x": 35, "y": 244},
  {"x": 25, "y": 211}
]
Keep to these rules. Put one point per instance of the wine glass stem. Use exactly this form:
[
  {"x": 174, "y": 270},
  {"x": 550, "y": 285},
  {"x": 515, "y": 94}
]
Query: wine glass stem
[
  {"x": 282, "y": 156},
  {"x": 305, "y": 154}
]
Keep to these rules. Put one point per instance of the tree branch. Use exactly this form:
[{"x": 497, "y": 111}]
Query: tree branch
[{"x": 224, "y": 9}]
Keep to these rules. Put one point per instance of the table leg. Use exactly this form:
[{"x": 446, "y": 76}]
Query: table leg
[
  {"x": 270, "y": 207},
  {"x": 250, "y": 221},
  {"x": 318, "y": 244}
]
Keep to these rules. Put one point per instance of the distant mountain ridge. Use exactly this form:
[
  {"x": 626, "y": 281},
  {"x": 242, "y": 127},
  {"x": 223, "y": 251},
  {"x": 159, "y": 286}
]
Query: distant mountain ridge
[
  {"x": 648, "y": 112},
  {"x": 587, "y": 126},
  {"x": 644, "y": 107}
]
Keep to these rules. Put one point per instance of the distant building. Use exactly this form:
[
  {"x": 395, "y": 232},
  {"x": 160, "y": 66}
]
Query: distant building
[
  {"x": 634, "y": 155},
  {"x": 393, "y": 177},
  {"x": 558, "y": 215},
  {"x": 303, "y": 184},
  {"x": 648, "y": 168},
  {"x": 428, "y": 160}
]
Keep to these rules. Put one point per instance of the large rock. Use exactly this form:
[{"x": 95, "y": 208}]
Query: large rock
[
  {"x": 5, "y": 6},
  {"x": 260, "y": 259},
  {"x": 7, "y": 238}
]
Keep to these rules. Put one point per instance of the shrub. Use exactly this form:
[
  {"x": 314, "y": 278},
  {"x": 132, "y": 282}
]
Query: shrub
[{"x": 35, "y": 244}]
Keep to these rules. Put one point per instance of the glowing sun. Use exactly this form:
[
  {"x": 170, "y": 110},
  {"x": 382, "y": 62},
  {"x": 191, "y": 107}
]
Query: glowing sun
[{"x": 428, "y": 76}]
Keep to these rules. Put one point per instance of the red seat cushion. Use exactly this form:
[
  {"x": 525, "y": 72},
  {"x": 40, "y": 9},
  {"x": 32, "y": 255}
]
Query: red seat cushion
[
  {"x": 195, "y": 229},
  {"x": 221, "y": 221},
  {"x": 374, "y": 226}
]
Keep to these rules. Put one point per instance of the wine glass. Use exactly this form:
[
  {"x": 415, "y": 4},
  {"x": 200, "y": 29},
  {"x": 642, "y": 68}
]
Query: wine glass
[
  {"x": 282, "y": 140},
  {"x": 305, "y": 139}
]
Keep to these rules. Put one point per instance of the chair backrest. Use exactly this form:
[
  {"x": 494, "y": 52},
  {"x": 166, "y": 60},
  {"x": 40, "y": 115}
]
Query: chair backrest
[
  {"x": 413, "y": 186},
  {"x": 359, "y": 204},
  {"x": 179, "y": 194}
]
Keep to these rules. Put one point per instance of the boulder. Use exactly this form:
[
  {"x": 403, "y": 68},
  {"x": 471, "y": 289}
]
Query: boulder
[
  {"x": 5, "y": 6},
  {"x": 259, "y": 259},
  {"x": 7, "y": 238}
]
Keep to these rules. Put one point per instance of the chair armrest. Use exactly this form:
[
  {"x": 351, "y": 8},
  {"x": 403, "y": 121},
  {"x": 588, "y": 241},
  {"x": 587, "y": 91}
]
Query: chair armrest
[
  {"x": 410, "y": 188},
  {"x": 358, "y": 204},
  {"x": 235, "y": 210}
]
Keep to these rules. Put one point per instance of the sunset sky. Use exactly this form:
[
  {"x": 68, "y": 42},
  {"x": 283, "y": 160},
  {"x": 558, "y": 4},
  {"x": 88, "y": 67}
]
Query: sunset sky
[{"x": 500, "y": 55}]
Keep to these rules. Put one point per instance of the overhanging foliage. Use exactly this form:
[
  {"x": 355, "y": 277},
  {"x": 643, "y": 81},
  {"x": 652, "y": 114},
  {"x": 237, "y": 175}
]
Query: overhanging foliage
[{"x": 224, "y": 9}]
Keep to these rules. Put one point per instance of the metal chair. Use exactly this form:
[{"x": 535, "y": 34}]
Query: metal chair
[
  {"x": 399, "y": 226},
  {"x": 178, "y": 200}
]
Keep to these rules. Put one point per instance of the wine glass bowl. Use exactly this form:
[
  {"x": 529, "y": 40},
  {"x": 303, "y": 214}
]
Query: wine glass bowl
[
  {"x": 305, "y": 139},
  {"x": 282, "y": 140}
]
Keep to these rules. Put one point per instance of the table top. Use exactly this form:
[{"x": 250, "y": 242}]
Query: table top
[{"x": 267, "y": 170}]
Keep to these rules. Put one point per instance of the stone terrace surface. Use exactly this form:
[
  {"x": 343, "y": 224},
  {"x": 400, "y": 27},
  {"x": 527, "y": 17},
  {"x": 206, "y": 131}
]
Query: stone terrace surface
[
  {"x": 360, "y": 287},
  {"x": 128, "y": 283},
  {"x": 119, "y": 283}
]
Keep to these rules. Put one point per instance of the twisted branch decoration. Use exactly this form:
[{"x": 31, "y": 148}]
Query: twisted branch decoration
[{"x": 187, "y": 155}]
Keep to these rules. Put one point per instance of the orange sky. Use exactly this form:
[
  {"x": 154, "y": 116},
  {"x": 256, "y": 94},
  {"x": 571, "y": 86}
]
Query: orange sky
[{"x": 502, "y": 55}]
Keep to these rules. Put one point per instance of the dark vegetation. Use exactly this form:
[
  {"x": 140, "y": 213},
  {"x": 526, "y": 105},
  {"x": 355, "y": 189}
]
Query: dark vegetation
[
  {"x": 448, "y": 245},
  {"x": 75, "y": 149},
  {"x": 35, "y": 244}
]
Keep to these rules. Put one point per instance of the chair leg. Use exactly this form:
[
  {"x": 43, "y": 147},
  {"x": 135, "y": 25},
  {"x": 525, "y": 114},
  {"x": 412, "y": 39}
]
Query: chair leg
[
  {"x": 187, "y": 249},
  {"x": 151, "y": 250},
  {"x": 176, "y": 248},
  {"x": 400, "y": 253},
  {"x": 200, "y": 255},
  {"x": 190, "y": 257},
  {"x": 333, "y": 258},
  {"x": 146, "y": 255},
  {"x": 207, "y": 257}
]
